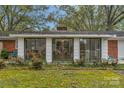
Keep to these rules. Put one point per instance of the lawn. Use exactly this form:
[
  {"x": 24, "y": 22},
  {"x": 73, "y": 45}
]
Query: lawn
[{"x": 60, "y": 78}]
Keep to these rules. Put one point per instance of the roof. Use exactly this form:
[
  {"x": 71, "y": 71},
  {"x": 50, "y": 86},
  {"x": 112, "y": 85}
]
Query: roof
[
  {"x": 5, "y": 36},
  {"x": 31, "y": 33},
  {"x": 62, "y": 32},
  {"x": 5, "y": 33},
  {"x": 68, "y": 34},
  {"x": 76, "y": 32}
]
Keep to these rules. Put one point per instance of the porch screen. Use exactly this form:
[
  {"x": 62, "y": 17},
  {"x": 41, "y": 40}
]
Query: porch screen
[
  {"x": 63, "y": 49},
  {"x": 90, "y": 50},
  {"x": 35, "y": 47}
]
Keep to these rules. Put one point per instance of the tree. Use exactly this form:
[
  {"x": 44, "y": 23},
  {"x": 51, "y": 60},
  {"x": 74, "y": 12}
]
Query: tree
[
  {"x": 79, "y": 18},
  {"x": 75, "y": 18},
  {"x": 21, "y": 18},
  {"x": 91, "y": 18},
  {"x": 114, "y": 15}
]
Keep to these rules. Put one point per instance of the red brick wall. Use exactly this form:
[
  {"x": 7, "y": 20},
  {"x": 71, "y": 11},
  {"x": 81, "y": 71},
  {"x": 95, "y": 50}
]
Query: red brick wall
[
  {"x": 9, "y": 45},
  {"x": 113, "y": 48}
]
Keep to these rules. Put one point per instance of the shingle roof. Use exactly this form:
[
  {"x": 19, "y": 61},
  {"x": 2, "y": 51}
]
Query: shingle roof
[
  {"x": 118, "y": 33},
  {"x": 5, "y": 36},
  {"x": 4, "y": 33}
]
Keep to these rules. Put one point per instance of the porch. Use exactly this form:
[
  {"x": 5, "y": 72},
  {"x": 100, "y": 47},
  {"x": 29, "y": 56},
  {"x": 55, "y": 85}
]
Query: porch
[{"x": 60, "y": 49}]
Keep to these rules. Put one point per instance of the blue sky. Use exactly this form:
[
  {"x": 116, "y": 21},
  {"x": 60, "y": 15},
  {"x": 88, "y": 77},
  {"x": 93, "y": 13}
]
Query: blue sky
[{"x": 51, "y": 10}]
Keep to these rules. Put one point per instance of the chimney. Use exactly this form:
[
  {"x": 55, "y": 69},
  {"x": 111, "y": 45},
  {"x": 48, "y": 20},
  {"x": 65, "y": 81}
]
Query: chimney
[{"x": 61, "y": 28}]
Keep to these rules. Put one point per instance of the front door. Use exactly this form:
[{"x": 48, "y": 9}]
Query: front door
[
  {"x": 113, "y": 48},
  {"x": 9, "y": 45},
  {"x": 62, "y": 49}
]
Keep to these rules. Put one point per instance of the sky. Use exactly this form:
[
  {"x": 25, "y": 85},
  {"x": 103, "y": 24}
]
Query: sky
[{"x": 51, "y": 10}]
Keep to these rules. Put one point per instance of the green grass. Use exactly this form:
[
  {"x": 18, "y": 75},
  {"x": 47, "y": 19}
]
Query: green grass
[
  {"x": 60, "y": 78},
  {"x": 120, "y": 67}
]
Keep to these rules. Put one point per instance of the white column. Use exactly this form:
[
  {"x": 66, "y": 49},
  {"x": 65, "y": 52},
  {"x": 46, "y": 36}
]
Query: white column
[
  {"x": 76, "y": 48},
  {"x": 104, "y": 48},
  {"x": 49, "y": 50},
  {"x": 21, "y": 47}
]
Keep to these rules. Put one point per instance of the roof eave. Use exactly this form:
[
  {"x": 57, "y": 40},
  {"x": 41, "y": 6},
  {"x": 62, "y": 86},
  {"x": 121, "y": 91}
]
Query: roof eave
[
  {"x": 60, "y": 35},
  {"x": 7, "y": 38}
]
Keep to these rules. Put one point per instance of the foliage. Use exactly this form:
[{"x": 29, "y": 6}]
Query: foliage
[
  {"x": 37, "y": 63},
  {"x": 91, "y": 18},
  {"x": 114, "y": 15},
  {"x": 2, "y": 64},
  {"x": 80, "y": 62},
  {"x": 119, "y": 67},
  {"x": 75, "y": 18},
  {"x": 16, "y": 61},
  {"x": 4, "y": 54},
  {"x": 110, "y": 61},
  {"x": 23, "y": 18}
]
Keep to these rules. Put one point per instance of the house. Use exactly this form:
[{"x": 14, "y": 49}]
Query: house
[{"x": 66, "y": 46}]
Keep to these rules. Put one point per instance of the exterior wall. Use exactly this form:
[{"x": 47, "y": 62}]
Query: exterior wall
[
  {"x": 121, "y": 51},
  {"x": 49, "y": 50},
  {"x": 76, "y": 49},
  {"x": 104, "y": 48},
  {"x": 21, "y": 47},
  {"x": 1, "y": 46}
]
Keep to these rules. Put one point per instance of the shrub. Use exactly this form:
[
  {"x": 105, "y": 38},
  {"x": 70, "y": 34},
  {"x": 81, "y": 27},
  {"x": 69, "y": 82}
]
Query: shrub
[
  {"x": 2, "y": 64},
  {"x": 95, "y": 63},
  {"x": 37, "y": 63},
  {"x": 115, "y": 62},
  {"x": 80, "y": 62},
  {"x": 109, "y": 62},
  {"x": 19, "y": 60},
  {"x": 104, "y": 62},
  {"x": 16, "y": 61},
  {"x": 4, "y": 54}
]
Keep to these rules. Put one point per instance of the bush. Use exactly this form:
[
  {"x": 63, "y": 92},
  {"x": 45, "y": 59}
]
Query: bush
[
  {"x": 16, "y": 61},
  {"x": 109, "y": 62},
  {"x": 19, "y": 60},
  {"x": 95, "y": 63},
  {"x": 37, "y": 63},
  {"x": 4, "y": 54},
  {"x": 2, "y": 64},
  {"x": 80, "y": 62}
]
